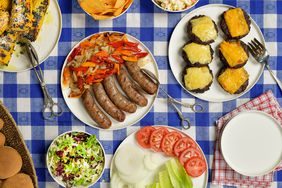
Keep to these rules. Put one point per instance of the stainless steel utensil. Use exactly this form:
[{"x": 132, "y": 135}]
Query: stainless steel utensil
[
  {"x": 50, "y": 109},
  {"x": 185, "y": 122},
  {"x": 260, "y": 53}
]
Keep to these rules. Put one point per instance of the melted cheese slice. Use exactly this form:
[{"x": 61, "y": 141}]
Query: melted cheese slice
[
  {"x": 232, "y": 79},
  {"x": 198, "y": 53},
  {"x": 197, "y": 78},
  {"x": 203, "y": 28},
  {"x": 233, "y": 52},
  {"x": 236, "y": 22}
]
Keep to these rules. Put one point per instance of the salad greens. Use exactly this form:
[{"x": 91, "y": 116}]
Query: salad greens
[{"x": 76, "y": 158}]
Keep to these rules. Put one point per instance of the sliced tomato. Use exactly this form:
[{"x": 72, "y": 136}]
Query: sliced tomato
[
  {"x": 189, "y": 153},
  {"x": 195, "y": 167},
  {"x": 156, "y": 138},
  {"x": 143, "y": 136},
  {"x": 182, "y": 144},
  {"x": 168, "y": 142}
]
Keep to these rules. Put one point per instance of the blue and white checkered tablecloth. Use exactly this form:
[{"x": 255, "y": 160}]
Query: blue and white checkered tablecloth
[{"x": 22, "y": 95}]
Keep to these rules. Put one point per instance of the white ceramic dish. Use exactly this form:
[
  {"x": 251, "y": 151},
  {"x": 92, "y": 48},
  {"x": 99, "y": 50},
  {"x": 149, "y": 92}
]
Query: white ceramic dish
[
  {"x": 45, "y": 43},
  {"x": 76, "y": 107},
  {"x": 177, "y": 64},
  {"x": 251, "y": 143},
  {"x": 108, "y": 18},
  {"x": 199, "y": 182},
  {"x": 60, "y": 182},
  {"x": 174, "y": 11}
]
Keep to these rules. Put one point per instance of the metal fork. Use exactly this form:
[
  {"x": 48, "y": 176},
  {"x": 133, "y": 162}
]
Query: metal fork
[{"x": 260, "y": 53}]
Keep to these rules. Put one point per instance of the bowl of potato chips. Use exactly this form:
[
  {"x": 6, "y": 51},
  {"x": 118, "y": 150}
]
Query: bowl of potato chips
[{"x": 105, "y": 9}]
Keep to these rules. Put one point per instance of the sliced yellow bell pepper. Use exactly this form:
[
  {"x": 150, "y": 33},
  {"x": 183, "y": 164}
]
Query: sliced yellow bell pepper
[{"x": 88, "y": 64}]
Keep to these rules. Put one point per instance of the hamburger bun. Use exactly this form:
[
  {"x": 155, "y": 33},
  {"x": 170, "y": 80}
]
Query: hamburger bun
[
  {"x": 10, "y": 162},
  {"x": 20, "y": 180},
  {"x": 2, "y": 139}
]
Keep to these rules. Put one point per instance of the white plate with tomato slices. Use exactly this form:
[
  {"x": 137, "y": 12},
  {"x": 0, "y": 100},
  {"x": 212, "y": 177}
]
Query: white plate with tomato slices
[
  {"x": 160, "y": 144},
  {"x": 145, "y": 59}
]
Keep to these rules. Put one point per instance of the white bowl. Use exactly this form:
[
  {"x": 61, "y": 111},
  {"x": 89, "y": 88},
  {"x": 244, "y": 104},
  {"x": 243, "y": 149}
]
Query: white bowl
[
  {"x": 60, "y": 182},
  {"x": 174, "y": 11},
  {"x": 110, "y": 18}
]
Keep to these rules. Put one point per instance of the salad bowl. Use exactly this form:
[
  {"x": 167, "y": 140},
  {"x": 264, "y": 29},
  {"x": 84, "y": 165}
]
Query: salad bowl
[{"x": 76, "y": 159}]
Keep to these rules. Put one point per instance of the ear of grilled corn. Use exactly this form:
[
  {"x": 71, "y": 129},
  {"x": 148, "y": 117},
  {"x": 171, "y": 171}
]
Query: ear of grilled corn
[
  {"x": 5, "y": 4},
  {"x": 39, "y": 10},
  {"x": 20, "y": 20},
  {"x": 4, "y": 21},
  {"x": 7, "y": 45},
  {"x": 26, "y": 20}
]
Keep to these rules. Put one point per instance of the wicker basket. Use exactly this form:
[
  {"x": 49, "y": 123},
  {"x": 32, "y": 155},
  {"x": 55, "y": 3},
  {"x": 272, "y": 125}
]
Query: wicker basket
[{"x": 15, "y": 140}]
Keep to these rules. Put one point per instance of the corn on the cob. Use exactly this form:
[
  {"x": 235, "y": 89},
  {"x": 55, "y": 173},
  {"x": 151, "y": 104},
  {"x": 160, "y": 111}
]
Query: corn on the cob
[
  {"x": 20, "y": 20},
  {"x": 7, "y": 45},
  {"x": 5, "y": 4},
  {"x": 4, "y": 21},
  {"x": 39, "y": 10}
]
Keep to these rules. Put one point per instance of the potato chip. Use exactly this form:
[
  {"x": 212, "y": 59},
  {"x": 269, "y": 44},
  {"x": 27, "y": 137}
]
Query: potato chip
[
  {"x": 105, "y": 9},
  {"x": 109, "y": 11},
  {"x": 101, "y": 17},
  {"x": 118, "y": 11},
  {"x": 109, "y": 3},
  {"x": 129, "y": 2},
  {"x": 120, "y": 3},
  {"x": 92, "y": 6}
]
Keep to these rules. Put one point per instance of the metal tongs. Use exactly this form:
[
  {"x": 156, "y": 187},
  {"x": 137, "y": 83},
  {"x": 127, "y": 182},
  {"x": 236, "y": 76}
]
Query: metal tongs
[
  {"x": 185, "y": 122},
  {"x": 50, "y": 109}
]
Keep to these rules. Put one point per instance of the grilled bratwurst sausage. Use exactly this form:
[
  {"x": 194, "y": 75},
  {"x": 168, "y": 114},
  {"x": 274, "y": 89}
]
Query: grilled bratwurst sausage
[
  {"x": 128, "y": 88},
  {"x": 93, "y": 110},
  {"x": 145, "y": 82},
  {"x": 118, "y": 99},
  {"x": 106, "y": 103}
]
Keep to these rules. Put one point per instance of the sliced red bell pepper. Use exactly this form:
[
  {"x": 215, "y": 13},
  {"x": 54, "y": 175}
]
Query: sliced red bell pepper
[
  {"x": 79, "y": 69},
  {"x": 85, "y": 44},
  {"x": 101, "y": 71},
  {"x": 133, "y": 49},
  {"x": 131, "y": 44},
  {"x": 108, "y": 60},
  {"x": 102, "y": 53},
  {"x": 89, "y": 79},
  {"x": 116, "y": 44},
  {"x": 117, "y": 58},
  {"x": 74, "y": 53},
  {"x": 95, "y": 60},
  {"x": 127, "y": 52},
  {"x": 141, "y": 54},
  {"x": 80, "y": 83}
]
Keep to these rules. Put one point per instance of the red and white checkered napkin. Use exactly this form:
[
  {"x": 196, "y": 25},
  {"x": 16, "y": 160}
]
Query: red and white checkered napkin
[{"x": 222, "y": 174}]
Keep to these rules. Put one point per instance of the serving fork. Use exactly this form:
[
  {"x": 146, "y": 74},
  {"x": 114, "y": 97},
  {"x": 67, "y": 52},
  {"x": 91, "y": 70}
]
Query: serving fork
[{"x": 260, "y": 53}]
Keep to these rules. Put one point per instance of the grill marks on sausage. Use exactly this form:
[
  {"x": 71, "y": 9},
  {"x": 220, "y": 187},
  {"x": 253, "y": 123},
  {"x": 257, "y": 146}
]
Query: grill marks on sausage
[
  {"x": 93, "y": 110},
  {"x": 106, "y": 103},
  {"x": 128, "y": 88},
  {"x": 145, "y": 82},
  {"x": 116, "y": 97}
]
